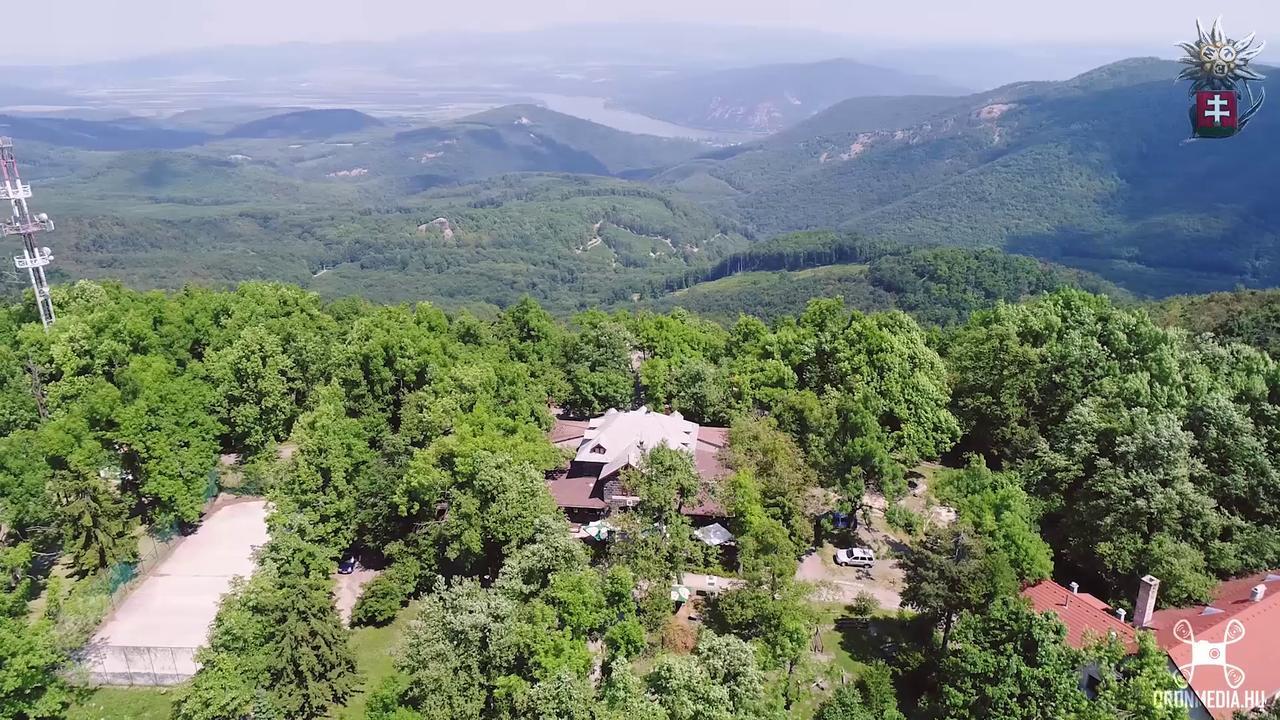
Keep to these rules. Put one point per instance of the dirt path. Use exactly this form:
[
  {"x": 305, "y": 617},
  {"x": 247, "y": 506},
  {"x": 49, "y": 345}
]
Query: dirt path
[{"x": 347, "y": 589}]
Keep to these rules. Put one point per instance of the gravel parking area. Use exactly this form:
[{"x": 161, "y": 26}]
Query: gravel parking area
[{"x": 843, "y": 584}]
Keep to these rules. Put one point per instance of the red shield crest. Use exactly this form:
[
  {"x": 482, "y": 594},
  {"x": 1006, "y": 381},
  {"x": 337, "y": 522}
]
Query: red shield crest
[{"x": 1216, "y": 113}]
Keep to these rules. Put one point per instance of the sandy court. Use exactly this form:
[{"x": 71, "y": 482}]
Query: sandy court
[{"x": 174, "y": 605}]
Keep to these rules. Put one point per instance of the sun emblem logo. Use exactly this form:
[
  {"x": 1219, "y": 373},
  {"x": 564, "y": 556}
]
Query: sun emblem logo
[
  {"x": 1217, "y": 62},
  {"x": 1225, "y": 92}
]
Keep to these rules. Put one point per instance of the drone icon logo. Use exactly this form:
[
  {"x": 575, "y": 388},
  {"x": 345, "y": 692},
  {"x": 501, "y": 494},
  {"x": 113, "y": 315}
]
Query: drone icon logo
[{"x": 1211, "y": 654}]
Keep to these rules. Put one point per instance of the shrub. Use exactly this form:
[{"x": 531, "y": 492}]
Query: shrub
[
  {"x": 865, "y": 604},
  {"x": 655, "y": 607},
  {"x": 900, "y": 518},
  {"x": 81, "y": 611},
  {"x": 386, "y": 594},
  {"x": 678, "y": 637},
  {"x": 625, "y": 639},
  {"x": 254, "y": 476}
]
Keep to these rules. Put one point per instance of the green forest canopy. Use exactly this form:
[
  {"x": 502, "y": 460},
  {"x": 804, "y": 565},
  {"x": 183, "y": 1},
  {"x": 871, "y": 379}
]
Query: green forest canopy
[{"x": 1126, "y": 447}]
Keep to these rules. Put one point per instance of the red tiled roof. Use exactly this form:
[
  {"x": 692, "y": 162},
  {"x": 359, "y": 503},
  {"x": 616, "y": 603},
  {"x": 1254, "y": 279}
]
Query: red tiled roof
[
  {"x": 706, "y": 456},
  {"x": 1094, "y": 601},
  {"x": 576, "y": 492},
  {"x": 568, "y": 433},
  {"x": 1255, "y": 652},
  {"x": 1087, "y": 618},
  {"x": 716, "y": 437}
]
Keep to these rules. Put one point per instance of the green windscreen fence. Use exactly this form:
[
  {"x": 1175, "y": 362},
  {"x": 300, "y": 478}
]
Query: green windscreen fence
[
  {"x": 211, "y": 487},
  {"x": 153, "y": 547},
  {"x": 120, "y": 574}
]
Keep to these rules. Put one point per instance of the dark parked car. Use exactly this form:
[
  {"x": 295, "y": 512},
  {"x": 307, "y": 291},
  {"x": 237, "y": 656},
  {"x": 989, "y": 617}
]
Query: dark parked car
[
  {"x": 347, "y": 566},
  {"x": 843, "y": 521}
]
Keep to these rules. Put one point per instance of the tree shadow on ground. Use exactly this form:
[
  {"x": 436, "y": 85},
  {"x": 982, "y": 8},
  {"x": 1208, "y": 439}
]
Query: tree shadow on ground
[{"x": 903, "y": 642}]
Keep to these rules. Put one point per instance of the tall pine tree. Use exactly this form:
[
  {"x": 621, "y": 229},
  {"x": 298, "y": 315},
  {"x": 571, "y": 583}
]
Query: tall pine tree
[
  {"x": 277, "y": 648},
  {"x": 313, "y": 667}
]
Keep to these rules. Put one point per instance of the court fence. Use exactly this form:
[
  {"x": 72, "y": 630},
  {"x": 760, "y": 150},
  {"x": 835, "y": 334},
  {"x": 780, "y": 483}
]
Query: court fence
[
  {"x": 137, "y": 665},
  {"x": 99, "y": 664},
  {"x": 153, "y": 548}
]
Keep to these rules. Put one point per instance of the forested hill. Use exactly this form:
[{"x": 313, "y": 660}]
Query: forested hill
[
  {"x": 571, "y": 241},
  {"x": 1247, "y": 316},
  {"x": 129, "y": 134},
  {"x": 1092, "y": 172},
  {"x": 938, "y": 285},
  {"x": 771, "y": 97},
  {"x": 313, "y": 124},
  {"x": 509, "y": 139},
  {"x": 112, "y": 422},
  {"x": 530, "y": 137},
  {"x": 352, "y": 147}
]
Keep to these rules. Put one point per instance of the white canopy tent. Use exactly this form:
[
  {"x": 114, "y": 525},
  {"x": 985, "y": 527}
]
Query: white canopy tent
[{"x": 714, "y": 534}]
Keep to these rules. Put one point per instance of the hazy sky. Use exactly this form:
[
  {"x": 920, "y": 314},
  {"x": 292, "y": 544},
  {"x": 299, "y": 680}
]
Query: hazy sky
[{"x": 77, "y": 30}]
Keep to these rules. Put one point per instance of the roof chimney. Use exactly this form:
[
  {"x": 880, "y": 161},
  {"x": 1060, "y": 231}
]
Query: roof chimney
[
  {"x": 1075, "y": 588},
  {"x": 1259, "y": 592},
  {"x": 1120, "y": 613},
  {"x": 1146, "y": 607}
]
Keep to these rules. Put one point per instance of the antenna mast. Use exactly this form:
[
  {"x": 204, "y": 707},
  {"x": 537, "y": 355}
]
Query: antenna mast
[{"x": 33, "y": 258}]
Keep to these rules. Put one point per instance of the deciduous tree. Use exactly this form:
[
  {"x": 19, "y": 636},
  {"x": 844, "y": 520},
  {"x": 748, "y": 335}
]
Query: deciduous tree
[
  {"x": 949, "y": 572},
  {"x": 1008, "y": 661},
  {"x": 258, "y": 389},
  {"x": 168, "y": 438},
  {"x": 995, "y": 506},
  {"x": 30, "y": 686},
  {"x": 597, "y": 366},
  {"x": 316, "y": 491},
  {"x": 1137, "y": 685}
]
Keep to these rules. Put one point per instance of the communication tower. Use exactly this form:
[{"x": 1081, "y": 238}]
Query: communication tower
[{"x": 22, "y": 222}]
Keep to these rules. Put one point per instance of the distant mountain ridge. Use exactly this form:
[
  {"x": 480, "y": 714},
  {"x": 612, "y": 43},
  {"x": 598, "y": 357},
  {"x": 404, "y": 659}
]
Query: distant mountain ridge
[
  {"x": 126, "y": 134},
  {"x": 769, "y": 98},
  {"x": 133, "y": 133},
  {"x": 512, "y": 138},
  {"x": 1093, "y": 172}
]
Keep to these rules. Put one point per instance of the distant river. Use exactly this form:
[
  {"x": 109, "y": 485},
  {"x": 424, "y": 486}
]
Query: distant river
[
  {"x": 595, "y": 110},
  {"x": 438, "y": 105}
]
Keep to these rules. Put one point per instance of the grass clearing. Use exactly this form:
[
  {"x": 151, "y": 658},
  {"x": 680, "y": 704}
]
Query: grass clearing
[
  {"x": 771, "y": 293},
  {"x": 828, "y": 666},
  {"x": 124, "y": 703},
  {"x": 374, "y": 648}
]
